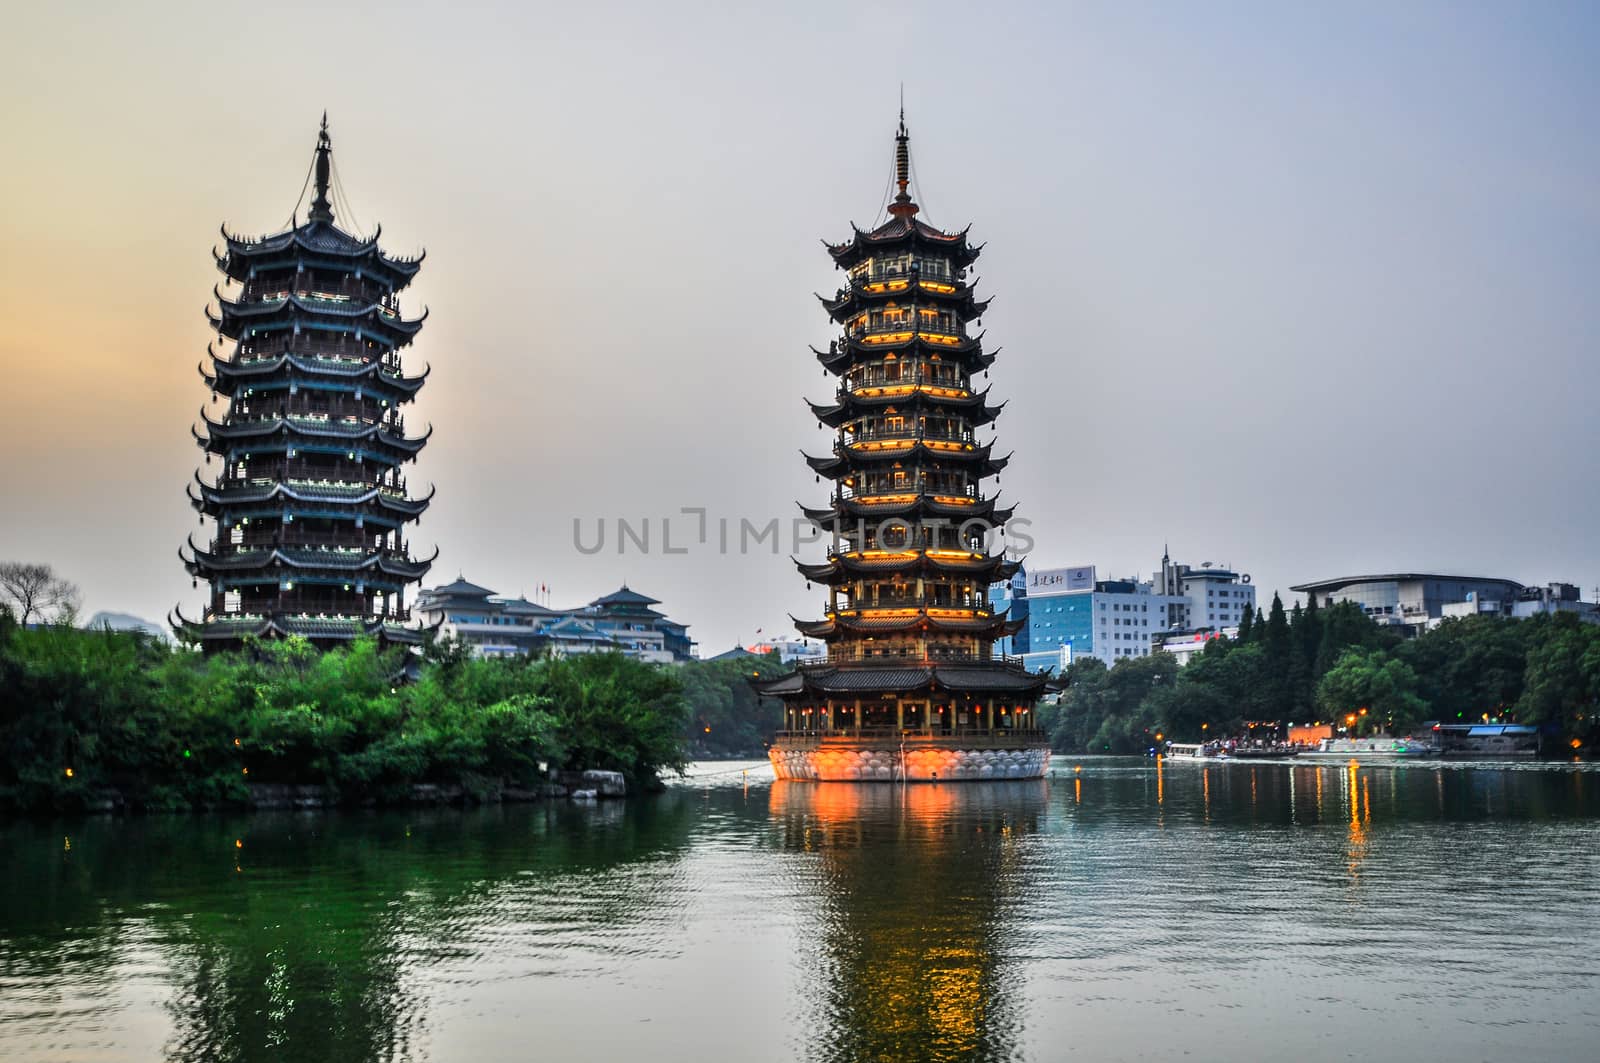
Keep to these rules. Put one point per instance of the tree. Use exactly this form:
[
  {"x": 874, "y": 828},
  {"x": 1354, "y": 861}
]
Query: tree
[
  {"x": 1374, "y": 681},
  {"x": 729, "y": 718},
  {"x": 1247, "y": 626},
  {"x": 1343, "y": 625},
  {"x": 1563, "y": 675},
  {"x": 34, "y": 592}
]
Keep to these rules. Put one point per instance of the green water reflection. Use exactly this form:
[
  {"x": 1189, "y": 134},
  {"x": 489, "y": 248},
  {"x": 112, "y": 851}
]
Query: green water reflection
[{"x": 828, "y": 921}]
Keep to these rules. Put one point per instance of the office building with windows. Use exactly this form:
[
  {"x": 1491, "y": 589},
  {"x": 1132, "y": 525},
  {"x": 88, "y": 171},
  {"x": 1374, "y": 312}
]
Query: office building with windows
[{"x": 1067, "y": 613}]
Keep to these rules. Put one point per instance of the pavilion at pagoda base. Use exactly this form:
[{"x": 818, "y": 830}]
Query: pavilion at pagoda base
[
  {"x": 894, "y": 721},
  {"x": 911, "y": 758}
]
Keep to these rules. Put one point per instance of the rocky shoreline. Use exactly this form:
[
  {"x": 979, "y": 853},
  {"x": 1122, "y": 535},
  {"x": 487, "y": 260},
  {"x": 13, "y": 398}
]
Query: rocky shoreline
[{"x": 590, "y": 785}]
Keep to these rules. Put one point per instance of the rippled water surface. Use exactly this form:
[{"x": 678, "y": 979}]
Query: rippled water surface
[{"x": 1117, "y": 911}]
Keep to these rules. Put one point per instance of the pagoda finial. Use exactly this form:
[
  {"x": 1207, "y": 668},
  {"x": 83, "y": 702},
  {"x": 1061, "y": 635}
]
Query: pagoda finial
[
  {"x": 902, "y": 206},
  {"x": 321, "y": 209}
]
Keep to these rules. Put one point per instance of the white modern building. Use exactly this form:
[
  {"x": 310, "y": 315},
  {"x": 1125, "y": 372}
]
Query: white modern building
[{"x": 1072, "y": 614}]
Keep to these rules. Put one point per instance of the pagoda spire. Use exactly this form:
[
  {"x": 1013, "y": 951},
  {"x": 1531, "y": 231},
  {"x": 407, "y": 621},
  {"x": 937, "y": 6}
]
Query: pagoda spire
[
  {"x": 321, "y": 209},
  {"x": 903, "y": 205}
]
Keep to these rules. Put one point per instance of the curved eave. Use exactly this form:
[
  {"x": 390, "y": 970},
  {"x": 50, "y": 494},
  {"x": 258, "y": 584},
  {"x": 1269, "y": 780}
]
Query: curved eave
[
  {"x": 969, "y": 349},
  {"x": 205, "y": 565},
  {"x": 976, "y": 678},
  {"x": 251, "y": 429},
  {"x": 899, "y": 231},
  {"x": 844, "y": 568},
  {"x": 847, "y": 302},
  {"x": 988, "y": 627},
  {"x": 920, "y": 506},
  {"x": 855, "y": 404},
  {"x": 222, "y": 497},
  {"x": 235, "y": 314},
  {"x": 311, "y": 239},
  {"x": 226, "y": 369},
  {"x": 917, "y": 451}
]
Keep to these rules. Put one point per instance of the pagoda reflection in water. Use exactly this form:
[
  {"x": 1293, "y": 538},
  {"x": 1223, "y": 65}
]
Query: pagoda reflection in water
[
  {"x": 914, "y": 896},
  {"x": 911, "y": 687}
]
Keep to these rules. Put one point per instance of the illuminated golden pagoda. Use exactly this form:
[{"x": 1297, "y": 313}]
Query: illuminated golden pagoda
[{"x": 911, "y": 687}]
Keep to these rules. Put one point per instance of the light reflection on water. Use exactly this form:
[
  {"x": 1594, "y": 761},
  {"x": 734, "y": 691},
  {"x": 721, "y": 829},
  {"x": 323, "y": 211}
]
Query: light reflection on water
[{"x": 1124, "y": 910}]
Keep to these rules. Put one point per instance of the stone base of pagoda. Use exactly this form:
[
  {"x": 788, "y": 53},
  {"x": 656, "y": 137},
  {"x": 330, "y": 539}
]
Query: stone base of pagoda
[{"x": 943, "y": 758}]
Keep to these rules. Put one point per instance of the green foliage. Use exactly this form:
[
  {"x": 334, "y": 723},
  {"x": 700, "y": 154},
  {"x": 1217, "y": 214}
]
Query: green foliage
[
  {"x": 1376, "y": 688},
  {"x": 728, "y": 718},
  {"x": 87, "y": 714},
  {"x": 1313, "y": 663},
  {"x": 1562, "y": 683},
  {"x": 1112, "y": 710}
]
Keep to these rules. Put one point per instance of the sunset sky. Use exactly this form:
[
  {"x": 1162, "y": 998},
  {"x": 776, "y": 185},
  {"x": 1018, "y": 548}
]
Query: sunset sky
[{"x": 1309, "y": 291}]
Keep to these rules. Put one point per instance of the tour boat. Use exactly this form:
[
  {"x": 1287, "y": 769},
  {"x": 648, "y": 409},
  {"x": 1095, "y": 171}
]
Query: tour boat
[
  {"x": 1261, "y": 752},
  {"x": 1373, "y": 748}
]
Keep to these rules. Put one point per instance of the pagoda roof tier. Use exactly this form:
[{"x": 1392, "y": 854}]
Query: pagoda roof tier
[
  {"x": 862, "y": 295},
  {"x": 876, "y": 564},
  {"x": 384, "y": 322},
  {"x": 204, "y": 563},
  {"x": 318, "y": 240},
  {"x": 909, "y": 507},
  {"x": 856, "y": 455},
  {"x": 903, "y": 232},
  {"x": 863, "y": 622},
  {"x": 226, "y": 372},
  {"x": 964, "y": 677},
  {"x": 967, "y": 352},
  {"x": 310, "y": 428},
  {"x": 909, "y": 396},
  {"x": 213, "y": 499},
  {"x": 323, "y": 628}
]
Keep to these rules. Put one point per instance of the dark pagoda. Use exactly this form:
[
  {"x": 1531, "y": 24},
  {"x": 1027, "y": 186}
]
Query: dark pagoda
[
  {"x": 912, "y": 687},
  {"x": 310, "y": 504}
]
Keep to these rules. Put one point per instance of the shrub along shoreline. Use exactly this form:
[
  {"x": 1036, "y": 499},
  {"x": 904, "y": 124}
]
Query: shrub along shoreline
[{"x": 89, "y": 718}]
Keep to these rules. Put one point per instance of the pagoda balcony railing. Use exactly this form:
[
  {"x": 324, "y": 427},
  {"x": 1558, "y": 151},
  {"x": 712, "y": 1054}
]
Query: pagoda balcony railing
[
  {"x": 847, "y": 654},
  {"x": 307, "y": 345},
  {"x": 879, "y": 324},
  {"x": 258, "y": 616},
  {"x": 931, "y": 268},
  {"x": 844, "y": 734},
  {"x": 913, "y": 600},
  {"x": 387, "y": 306},
  {"x": 258, "y": 474},
  {"x": 301, "y": 541},
  {"x": 886, "y": 283},
  {"x": 353, "y": 486},
  {"x": 909, "y": 376},
  {"x": 903, "y": 494},
  {"x": 310, "y": 286},
  {"x": 367, "y": 411},
  {"x": 395, "y": 425},
  {"x": 289, "y": 604},
  {"x": 907, "y": 436}
]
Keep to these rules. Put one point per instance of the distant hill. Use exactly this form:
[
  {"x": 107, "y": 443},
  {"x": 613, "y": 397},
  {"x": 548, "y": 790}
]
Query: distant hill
[{"x": 126, "y": 622}]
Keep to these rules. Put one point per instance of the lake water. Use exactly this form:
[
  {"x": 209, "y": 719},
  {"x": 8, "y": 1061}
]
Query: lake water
[{"x": 1120, "y": 911}]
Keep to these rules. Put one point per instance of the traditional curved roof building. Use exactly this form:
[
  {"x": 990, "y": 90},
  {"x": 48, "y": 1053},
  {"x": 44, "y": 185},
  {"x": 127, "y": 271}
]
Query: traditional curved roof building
[
  {"x": 908, "y": 623},
  {"x": 310, "y": 503}
]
